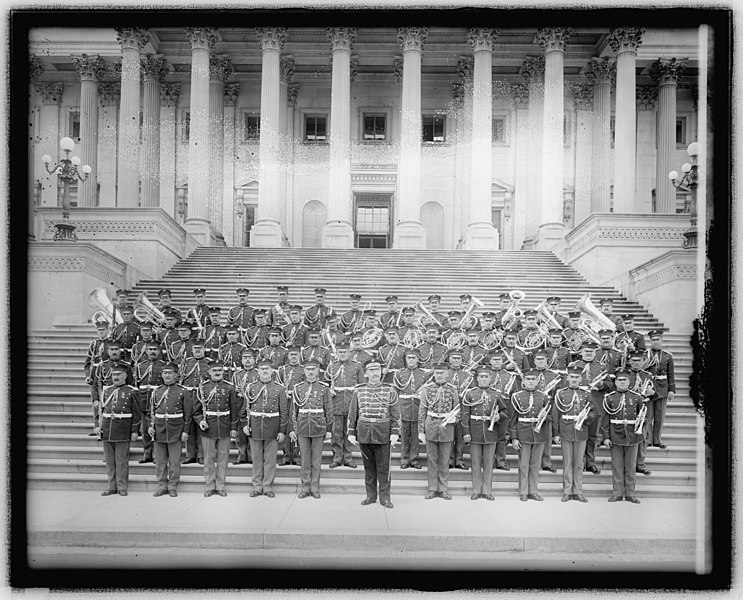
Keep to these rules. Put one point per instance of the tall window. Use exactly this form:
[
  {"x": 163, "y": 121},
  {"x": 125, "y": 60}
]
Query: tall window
[
  {"x": 251, "y": 126},
  {"x": 74, "y": 125},
  {"x": 612, "y": 128},
  {"x": 681, "y": 132},
  {"x": 186, "y": 131},
  {"x": 499, "y": 130},
  {"x": 434, "y": 128},
  {"x": 375, "y": 127},
  {"x": 315, "y": 128}
]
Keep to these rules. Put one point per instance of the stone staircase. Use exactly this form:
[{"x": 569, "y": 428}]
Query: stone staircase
[{"x": 61, "y": 455}]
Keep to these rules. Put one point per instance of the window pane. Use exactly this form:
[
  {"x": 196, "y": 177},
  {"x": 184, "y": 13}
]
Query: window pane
[
  {"x": 427, "y": 128},
  {"x": 320, "y": 126},
  {"x": 438, "y": 129},
  {"x": 498, "y": 130},
  {"x": 680, "y": 131},
  {"x": 75, "y": 124},
  {"x": 379, "y": 127},
  {"x": 252, "y": 127}
]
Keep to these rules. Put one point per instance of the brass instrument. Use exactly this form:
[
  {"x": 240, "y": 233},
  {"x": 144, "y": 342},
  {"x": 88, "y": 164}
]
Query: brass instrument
[
  {"x": 534, "y": 340},
  {"x": 514, "y": 313},
  {"x": 541, "y": 417},
  {"x": 552, "y": 385},
  {"x": 474, "y": 303},
  {"x": 413, "y": 338},
  {"x": 598, "y": 379},
  {"x": 371, "y": 337},
  {"x": 358, "y": 324},
  {"x": 283, "y": 314},
  {"x": 647, "y": 386},
  {"x": 427, "y": 313},
  {"x": 582, "y": 416},
  {"x": 585, "y": 305},
  {"x": 493, "y": 414},
  {"x": 144, "y": 310},
  {"x": 98, "y": 298},
  {"x": 640, "y": 421},
  {"x": 451, "y": 416},
  {"x": 326, "y": 333},
  {"x": 473, "y": 363},
  {"x": 491, "y": 340},
  {"x": 546, "y": 316},
  {"x": 456, "y": 340}
]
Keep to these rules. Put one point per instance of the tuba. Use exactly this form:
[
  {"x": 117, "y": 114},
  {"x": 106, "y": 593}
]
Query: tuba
[
  {"x": 465, "y": 322},
  {"x": 585, "y": 305},
  {"x": 99, "y": 299},
  {"x": 144, "y": 310},
  {"x": 544, "y": 315},
  {"x": 514, "y": 313}
]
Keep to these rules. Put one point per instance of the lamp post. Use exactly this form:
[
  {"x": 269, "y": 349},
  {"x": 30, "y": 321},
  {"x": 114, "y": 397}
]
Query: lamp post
[
  {"x": 688, "y": 183},
  {"x": 67, "y": 173}
]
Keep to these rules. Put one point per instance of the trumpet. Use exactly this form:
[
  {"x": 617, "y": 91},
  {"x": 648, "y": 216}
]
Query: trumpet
[
  {"x": 582, "y": 416},
  {"x": 640, "y": 421},
  {"x": 431, "y": 319},
  {"x": 552, "y": 385},
  {"x": 598, "y": 379},
  {"x": 493, "y": 414},
  {"x": 513, "y": 314},
  {"x": 541, "y": 417}
]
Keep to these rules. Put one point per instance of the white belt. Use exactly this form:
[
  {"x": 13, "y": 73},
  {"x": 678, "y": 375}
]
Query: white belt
[
  {"x": 169, "y": 416},
  {"x": 263, "y": 414},
  {"x": 311, "y": 410},
  {"x": 436, "y": 415},
  {"x": 528, "y": 419},
  {"x": 661, "y": 376},
  {"x": 478, "y": 418},
  {"x": 118, "y": 415},
  {"x": 190, "y": 389},
  {"x": 216, "y": 413},
  {"x": 148, "y": 387},
  {"x": 342, "y": 389},
  {"x": 622, "y": 421},
  {"x": 407, "y": 396},
  {"x": 374, "y": 419},
  {"x": 569, "y": 417}
]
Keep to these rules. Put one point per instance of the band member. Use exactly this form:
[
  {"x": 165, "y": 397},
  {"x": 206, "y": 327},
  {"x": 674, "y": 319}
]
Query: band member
[
  {"x": 194, "y": 373},
  {"x": 548, "y": 381},
  {"x": 572, "y": 335},
  {"x": 352, "y": 320},
  {"x": 247, "y": 374},
  {"x": 314, "y": 351},
  {"x": 256, "y": 337},
  {"x": 229, "y": 354},
  {"x": 606, "y": 354},
  {"x": 507, "y": 383},
  {"x": 482, "y": 409},
  {"x": 181, "y": 348},
  {"x": 217, "y": 413},
  {"x": 526, "y": 337},
  {"x": 214, "y": 335},
  {"x": 558, "y": 357},
  {"x": 513, "y": 358},
  {"x": 439, "y": 405},
  {"x": 473, "y": 354},
  {"x": 464, "y": 301},
  {"x": 198, "y": 315},
  {"x": 607, "y": 306},
  {"x": 93, "y": 359},
  {"x": 488, "y": 337},
  {"x": 357, "y": 352},
  {"x": 553, "y": 308},
  {"x": 119, "y": 421},
  {"x": 171, "y": 408},
  {"x": 315, "y": 316},
  {"x": 102, "y": 375},
  {"x": 148, "y": 377},
  {"x": 660, "y": 364},
  {"x": 332, "y": 335},
  {"x": 278, "y": 315},
  {"x": 434, "y": 306},
  {"x": 374, "y": 423},
  {"x": 288, "y": 376},
  {"x": 121, "y": 299},
  {"x": 408, "y": 328},
  {"x": 452, "y": 325},
  {"x": 432, "y": 351},
  {"x": 165, "y": 303},
  {"x": 393, "y": 315},
  {"x": 500, "y": 314},
  {"x": 572, "y": 414},
  {"x": 126, "y": 333},
  {"x": 264, "y": 418},
  {"x": 311, "y": 423},
  {"x": 408, "y": 382},
  {"x": 274, "y": 352},
  {"x": 295, "y": 333},
  {"x": 641, "y": 382},
  {"x": 371, "y": 325},
  {"x": 242, "y": 316},
  {"x": 621, "y": 410},
  {"x": 139, "y": 349},
  {"x": 168, "y": 334},
  {"x": 344, "y": 375},
  {"x": 630, "y": 339},
  {"x": 462, "y": 380},
  {"x": 392, "y": 354},
  {"x": 530, "y": 425}
]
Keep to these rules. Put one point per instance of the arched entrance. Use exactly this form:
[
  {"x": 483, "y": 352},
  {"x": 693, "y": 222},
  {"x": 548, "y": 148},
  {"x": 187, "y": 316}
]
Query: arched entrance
[
  {"x": 432, "y": 219},
  {"x": 314, "y": 216}
]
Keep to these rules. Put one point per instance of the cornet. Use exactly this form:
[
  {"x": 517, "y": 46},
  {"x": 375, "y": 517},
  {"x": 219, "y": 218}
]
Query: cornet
[
  {"x": 541, "y": 417},
  {"x": 582, "y": 416},
  {"x": 640, "y": 421}
]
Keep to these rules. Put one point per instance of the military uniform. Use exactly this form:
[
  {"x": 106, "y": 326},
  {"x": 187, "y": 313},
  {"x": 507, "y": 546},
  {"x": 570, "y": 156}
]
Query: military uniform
[
  {"x": 507, "y": 383},
  {"x": 390, "y": 318},
  {"x": 473, "y": 356},
  {"x": 664, "y": 380},
  {"x": 392, "y": 358},
  {"x": 193, "y": 373},
  {"x": 435, "y": 401},
  {"x": 180, "y": 350},
  {"x": 295, "y": 334},
  {"x": 351, "y": 320},
  {"x": 139, "y": 350},
  {"x": 431, "y": 353},
  {"x": 568, "y": 407},
  {"x": 462, "y": 380},
  {"x": 198, "y": 316},
  {"x": 167, "y": 336},
  {"x": 407, "y": 383},
  {"x": 641, "y": 382},
  {"x": 97, "y": 351},
  {"x": 119, "y": 420},
  {"x": 311, "y": 420},
  {"x": 317, "y": 315},
  {"x": 229, "y": 354},
  {"x": 522, "y": 425},
  {"x": 558, "y": 359},
  {"x": 242, "y": 317},
  {"x": 214, "y": 337},
  {"x": 278, "y": 314},
  {"x": 171, "y": 410},
  {"x": 257, "y": 336},
  {"x": 288, "y": 376},
  {"x": 611, "y": 359},
  {"x": 516, "y": 356},
  {"x": 548, "y": 381},
  {"x": 126, "y": 334},
  {"x": 243, "y": 378},
  {"x": 344, "y": 377},
  {"x": 147, "y": 376},
  {"x": 360, "y": 356},
  {"x": 319, "y": 353},
  {"x": 276, "y": 354}
]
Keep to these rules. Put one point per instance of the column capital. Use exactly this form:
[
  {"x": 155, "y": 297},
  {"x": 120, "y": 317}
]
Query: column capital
[
  {"x": 292, "y": 91},
  {"x": 412, "y": 38},
  {"x": 582, "y": 95},
  {"x": 601, "y": 70},
  {"x": 553, "y": 39},
  {"x": 466, "y": 68},
  {"x": 155, "y": 66},
  {"x": 457, "y": 93},
  {"x": 231, "y": 92},
  {"x": 35, "y": 68},
  {"x": 341, "y": 38},
  {"x": 109, "y": 94},
  {"x": 51, "y": 92},
  {"x": 482, "y": 38},
  {"x": 397, "y": 66},
  {"x": 645, "y": 96},
  {"x": 132, "y": 37},
  {"x": 532, "y": 69},
  {"x": 625, "y": 39},
  {"x": 287, "y": 67},
  {"x": 220, "y": 67},
  {"x": 202, "y": 37},
  {"x": 520, "y": 93},
  {"x": 170, "y": 94},
  {"x": 667, "y": 71},
  {"x": 271, "y": 38},
  {"x": 89, "y": 68}
]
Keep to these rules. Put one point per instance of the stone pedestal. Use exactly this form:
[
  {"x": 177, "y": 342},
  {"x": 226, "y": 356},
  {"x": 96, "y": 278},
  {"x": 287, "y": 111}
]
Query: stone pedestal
[
  {"x": 266, "y": 234},
  {"x": 409, "y": 234},
  {"x": 337, "y": 234},
  {"x": 481, "y": 236},
  {"x": 551, "y": 236}
]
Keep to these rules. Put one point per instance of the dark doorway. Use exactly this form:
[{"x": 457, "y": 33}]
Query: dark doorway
[
  {"x": 372, "y": 218},
  {"x": 372, "y": 241}
]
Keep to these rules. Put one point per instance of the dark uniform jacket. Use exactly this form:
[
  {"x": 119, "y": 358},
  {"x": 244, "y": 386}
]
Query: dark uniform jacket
[
  {"x": 435, "y": 401},
  {"x": 266, "y": 410},
  {"x": 558, "y": 359},
  {"x": 461, "y": 379},
  {"x": 289, "y": 376},
  {"x": 350, "y": 320},
  {"x": 167, "y": 337},
  {"x": 344, "y": 377},
  {"x": 229, "y": 354},
  {"x": 518, "y": 357},
  {"x": 392, "y": 357},
  {"x": 171, "y": 411},
  {"x": 664, "y": 378},
  {"x": 637, "y": 339},
  {"x": 590, "y": 372},
  {"x": 97, "y": 353},
  {"x": 198, "y": 316},
  {"x": 319, "y": 353},
  {"x": 549, "y": 379},
  {"x": 257, "y": 336},
  {"x": 568, "y": 404},
  {"x": 522, "y": 423},
  {"x": 126, "y": 334},
  {"x": 374, "y": 414},
  {"x": 148, "y": 375},
  {"x": 386, "y": 319},
  {"x": 180, "y": 350},
  {"x": 431, "y": 353},
  {"x": 473, "y": 355},
  {"x": 216, "y": 401},
  {"x": 121, "y": 413},
  {"x": 477, "y": 407},
  {"x": 610, "y": 358},
  {"x": 276, "y": 354},
  {"x": 408, "y": 382},
  {"x": 194, "y": 372},
  {"x": 504, "y": 381},
  {"x": 641, "y": 382},
  {"x": 317, "y": 315},
  {"x": 139, "y": 350},
  {"x": 102, "y": 375},
  {"x": 618, "y": 421},
  {"x": 312, "y": 409},
  {"x": 278, "y": 317},
  {"x": 241, "y": 316},
  {"x": 214, "y": 337},
  {"x": 294, "y": 334},
  {"x": 360, "y": 356}
]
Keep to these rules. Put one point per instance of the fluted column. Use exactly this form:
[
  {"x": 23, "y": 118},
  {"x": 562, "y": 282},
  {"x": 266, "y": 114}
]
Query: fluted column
[
  {"x": 480, "y": 232},
  {"x": 666, "y": 73},
  {"x": 109, "y": 95},
  {"x": 90, "y": 69},
  {"x": 220, "y": 69},
  {"x": 154, "y": 69},
  {"x": 286, "y": 72},
  {"x": 409, "y": 232},
  {"x": 583, "y": 102},
  {"x": 462, "y": 96},
  {"x": 521, "y": 180},
  {"x": 267, "y": 231},
  {"x": 601, "y": 72},
  {"x": 231, "y": 92},
  {"x": 132, "y": 39},
  {"x": 51, "y": 98},
  {"x": 35, "y": 166},
  {"x": 532, "y": 69},
  {"x": 646, "y": 97},
  {"x": 551, "y": 225},
  {"x": 625, "y": 41},
  {"x": 170, "y": 94},
  {"x": 338, "y": 232},
  {"x": 294, "y": 233}
]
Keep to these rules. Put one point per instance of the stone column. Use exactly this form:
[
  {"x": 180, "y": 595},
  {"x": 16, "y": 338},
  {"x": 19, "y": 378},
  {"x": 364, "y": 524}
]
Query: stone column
[
  {"x": 220, "y": 69},
  {"x": 293, "y": 233},
  {"x": 666, "y": 73},
  {"x": 338, "y": 231},
  {"x": 109, "y": 95},
  {"x": 625, "y": 41},
  {"x": 286, "y": 70},
  {"x": 132, "y": 39},
  {"x": 154, "y": 69},
  {"x": 231, "y": 92},
  {"x": 551, "y": 225},
  {"x": 532, "y": 70},
  {"x": 36, "y": 168},
  {"x": 202, "y": 40},
  {"x": 521, "y": 182},
  {"x": 480, "y": 232},
  {"x": 646, "y": 97},
  {"x": 583, "y": 100},
  {"x": 601, "y": 73},
  {"x": 51, "y": 98},
  {"x": 90, "y": 69},
  {"x": 268, "y": 231},
  {"x": 170, "y": 94},
  {"x": 409, "y": 232}
]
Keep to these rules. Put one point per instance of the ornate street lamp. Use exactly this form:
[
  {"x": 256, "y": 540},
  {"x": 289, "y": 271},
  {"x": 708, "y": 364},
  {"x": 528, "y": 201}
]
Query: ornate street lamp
[
  {"x": 67, "y": 173},
  {"x": 688, "y": 183}
]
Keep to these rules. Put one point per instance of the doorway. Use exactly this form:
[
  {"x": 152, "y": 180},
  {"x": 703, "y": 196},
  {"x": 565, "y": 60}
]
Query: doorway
[{"x": 372, "y": 220}]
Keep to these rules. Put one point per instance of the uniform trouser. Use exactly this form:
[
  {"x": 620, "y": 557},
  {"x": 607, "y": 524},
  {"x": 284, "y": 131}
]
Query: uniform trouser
[
  {"x": 117, "y": 464},
  {"x": 195, "y": 443},
  {"x": 95, "y": 403},
  {"x": 290, "y": 450},
  {"x": 438, "y": 465},
  {"x": 311, "y": 459},
  {"x": 243, "y": 447},
  {"x": 264, "y": 463},
  {"x": 146, "y": 437},
  {"x": 593, "y": 432},
  {"x": 339, "y": 442},
  {"x": 168, "y": 464},
  {"x": 500, "y": 453},
  {"x": 482, "y": 456},
  {"x": 572, "y": 466},
  {"x": 623, "y": 460},
  {"x": 642, "y": 447},
  {"x": 530, "y": 456},
  {"x": 410, "y": 443},
  {"x": 376, "y": 470},
  {"x": 656, "y": 418},
  {"x": 547, "y": 455},
  {"x": 216, "y": 453},
  {"x": 457, "y": 450}
]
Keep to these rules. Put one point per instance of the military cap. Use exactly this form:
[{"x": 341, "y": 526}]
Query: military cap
[
  {"x": 114, "y": 344},
  {"x": 530, "y": 372},
  {"x": 637, "y": 354},
  {"x": 242, "y": 291},
  {"x": 264, "y": 362},
  {"x": 589, "y": 344},
  {"x": 184, "y": 325},
  {"x": 170, "y": 314},
  {"x": 122, "y": 292},
  {"x": 433, "y": 297},
  {"x": 354, "y": 296},
  {"x": 197, "y": 343},
  {"x": 474, "y": 329},
  {"x": 101, "y": 324},
  {"x": 164, "y": 292},
  {"x": 370, "y": 312},
  {"x": 169, "y": 366},
  {"x": 260, "y": 311},
  {"x": 342, "y": 345},
  {"x": 119, "y": 368},
  {"x": 247, "y": 351},
  {"x": 314, "y": 331},
  {"x": 433, "y": 326},
  {"x": 320, "y": 290},
  {"x": 606, "y": 301},
  {"x": 391, "y": 328},
  {"x": 291, "y": 349},
  {"x": 199, "y": 291},
  {"x": 605, "y": 332},
  {"x": 504, "y": 297},
  {"x": 540, "y": 354},
  {"x": 145, "y": 325},
  {"x": 295, "y": 308},
  {"x": 554, "y": 331},
  {"x": 408, "y": 310},
  {"x": 574, "y": 314},
  {"x": 215, "y": 309},
  {"x": 488, "y": 315},
  {"x": 215, "y": 364},
  {"x": 465, "y": 297},
  {"x": 391, "y": 299},
  {"x": 412, "y": 352},
  {"x": 530, "y": 313},
  {"x": 486, "y": 370},
  {"x": 454, "y": 313},
  {"x": 231, "y": 329},
  {"x": 628, "y": 317},
  {"x": 150, "y": 343},
  {"x": 357, "y": 335},
  {"x": 454, "y": 352},
  {"x": 496, "y": 354},
  {"x": 621, "y": 373},
  {"x": 282, "y": 288},
  {"x": 274, "y": 330},
  {"x": 509, "y": 333},
  {"x": 575, "y": 370},
  {"x": 554, "y": 299},
  {"x": 655, "y": 333},
  {"x": 440, "y": 366},
  {"x": 373, "y": 364},
  {"x": 311, "y": 363},
  {"x": 126, "y": 308}
]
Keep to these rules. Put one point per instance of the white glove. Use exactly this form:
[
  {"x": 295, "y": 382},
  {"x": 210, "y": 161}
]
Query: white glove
[
  {"x": 352, "y": 440},
  {"x": 394, "y": 438},
  {"x": 203, "y": 425},
  {"x": 422, "y": 438},
  {"x": 328, "y": 435}
]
